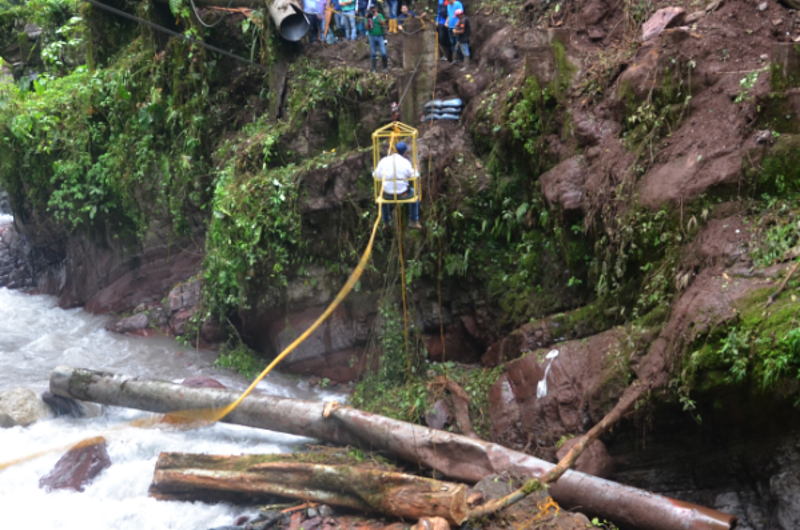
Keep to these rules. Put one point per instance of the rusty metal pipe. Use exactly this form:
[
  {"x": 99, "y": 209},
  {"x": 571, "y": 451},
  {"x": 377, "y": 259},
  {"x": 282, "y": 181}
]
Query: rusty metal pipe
[{"x": 456, "y": 456}]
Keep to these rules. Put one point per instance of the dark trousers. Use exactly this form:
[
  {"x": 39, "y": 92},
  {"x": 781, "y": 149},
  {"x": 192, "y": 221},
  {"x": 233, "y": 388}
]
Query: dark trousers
[
  {"x": 444, "y": 41},
  {"x": 314, "y": 24},
  {"x": 413, "y": 207}
]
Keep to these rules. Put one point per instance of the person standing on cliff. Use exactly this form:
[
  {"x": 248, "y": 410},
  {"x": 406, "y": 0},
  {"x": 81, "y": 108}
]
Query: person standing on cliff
[
  {"x": 396, "y": 172},
  {"x": 444, "y": 32},
  {"x": 462, "y": 32},
  {"x": 452, "y": 20},
  {"x": 376, "y": 30},
  {"x": 314, "y": 17},
  {"x": 348, "y": 18}
]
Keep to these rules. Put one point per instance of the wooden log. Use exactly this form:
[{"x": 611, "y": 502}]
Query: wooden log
[
  {"x": 458, "y": 457},
  {"x": 192, "y": 476}
]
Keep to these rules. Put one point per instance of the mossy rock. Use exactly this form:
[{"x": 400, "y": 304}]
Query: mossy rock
[{"x": 780, "y": 169}]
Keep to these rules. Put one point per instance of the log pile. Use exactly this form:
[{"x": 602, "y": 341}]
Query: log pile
[
  {"x": 458, "y": 457},
  {"x": 202, "y": 477}
]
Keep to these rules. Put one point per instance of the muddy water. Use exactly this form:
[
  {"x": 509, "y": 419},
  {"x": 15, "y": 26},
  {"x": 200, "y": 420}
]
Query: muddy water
[{"x": 35, "y": 336}]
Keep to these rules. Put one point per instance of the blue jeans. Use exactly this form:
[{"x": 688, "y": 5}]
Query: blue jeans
[
  {"x": 464, "y": 47},
  {"x": 413, "y": 207},
  {"x": 392, "y": 8},
  {"x": 362, "y": 13},
  {"x": 349, "y": 24},
  {"x": 313, "y": 27},
  {"x": 377, "y": 43},
  {"x": 453, "y": 42}
]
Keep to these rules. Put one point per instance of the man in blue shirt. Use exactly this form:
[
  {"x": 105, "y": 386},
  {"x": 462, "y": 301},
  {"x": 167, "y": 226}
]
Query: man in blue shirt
[{"x": 452, "y": 21}]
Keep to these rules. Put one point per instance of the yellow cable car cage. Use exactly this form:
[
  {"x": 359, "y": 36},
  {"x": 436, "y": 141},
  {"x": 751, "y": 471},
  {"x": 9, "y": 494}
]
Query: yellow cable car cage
[{"x": 384, "y": 141}]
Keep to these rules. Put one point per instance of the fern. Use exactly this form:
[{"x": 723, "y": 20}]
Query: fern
[{"x": 175, "y": 7}]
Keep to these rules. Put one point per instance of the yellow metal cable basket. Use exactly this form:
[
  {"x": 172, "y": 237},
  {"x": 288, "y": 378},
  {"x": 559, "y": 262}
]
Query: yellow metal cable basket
[{"x": 384, "y": 141}]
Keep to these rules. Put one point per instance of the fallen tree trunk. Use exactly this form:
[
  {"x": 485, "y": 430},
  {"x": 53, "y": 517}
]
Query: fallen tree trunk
[
  {"x": 181, "y": 476},
  {"x": 455, "y": 456}
]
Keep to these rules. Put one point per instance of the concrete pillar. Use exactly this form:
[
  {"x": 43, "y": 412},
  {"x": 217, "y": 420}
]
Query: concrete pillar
[{"x": 419, "y": 48}]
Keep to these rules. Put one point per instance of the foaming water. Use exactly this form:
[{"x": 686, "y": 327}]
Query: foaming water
[
  {"x": 6, "y": 219},
  {"x": 35, "y": 336}
]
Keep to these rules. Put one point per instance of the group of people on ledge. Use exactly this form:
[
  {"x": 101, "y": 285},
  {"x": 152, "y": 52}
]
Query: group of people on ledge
[
  {"x": 353, "y": 19},
  {"x": 332, "y": 21}
]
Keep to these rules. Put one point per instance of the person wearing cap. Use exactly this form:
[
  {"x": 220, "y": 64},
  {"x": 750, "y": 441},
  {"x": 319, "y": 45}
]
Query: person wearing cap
[
  {"x": 376, "y": 32},
  {"x": 452, "y": 20},
  {"x": 462, "y": 32},
  {"x": 396, "y": 172}
]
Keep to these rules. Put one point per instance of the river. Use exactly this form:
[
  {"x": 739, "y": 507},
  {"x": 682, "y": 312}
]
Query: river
[{"x": 35, "y": 336}]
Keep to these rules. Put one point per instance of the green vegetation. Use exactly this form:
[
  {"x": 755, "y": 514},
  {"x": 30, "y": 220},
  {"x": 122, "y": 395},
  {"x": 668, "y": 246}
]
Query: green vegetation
[
  {"x": 241, "y": 359},
  {"x": 761, "y": 346}
]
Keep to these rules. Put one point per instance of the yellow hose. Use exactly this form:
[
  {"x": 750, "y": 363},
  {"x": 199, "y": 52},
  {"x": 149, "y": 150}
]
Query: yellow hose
[{"x": 216, "y": 414}]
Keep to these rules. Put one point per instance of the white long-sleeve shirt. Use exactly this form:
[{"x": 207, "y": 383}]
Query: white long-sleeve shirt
[{"x": 395, "y": 171}]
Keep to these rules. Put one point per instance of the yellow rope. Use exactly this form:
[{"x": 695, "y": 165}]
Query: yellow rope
[
  {"x": 403, "y": 286},
  {"x": 213, "y": 415}
]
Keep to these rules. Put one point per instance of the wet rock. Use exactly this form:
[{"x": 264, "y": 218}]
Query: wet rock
[
  {"x": 506, "y": 425},
  {"x": 662, "y": 19},
  {"x": 14, "y": 269},
  {"x": 21, "y": 406},
  {"x": 438, "y": 416},
  {"x": 722, "y": 241},
  {"x": 130, "y": 324},
  {"x": 184, "y": 296},
  {"x": 563, "y": 185},
  {"x": 581, "y": 387},
  {"x": 685, "y": 177},
  {"x": 325, "y": 511},
  {"x": 496, "y": 487},
  {"x": 212, "y": 332},
  {"x": 595, "y": 460},
  {"x": 179, "y": 319},
  {"x": 785, "y": 487},
  {"x": 5, "y": 203},
  {"x": 78, "y": 467},
  {"x": 63, "y": 406},
  {"x": 593, "y": 12},
  {"x": 202, "y": 382}
]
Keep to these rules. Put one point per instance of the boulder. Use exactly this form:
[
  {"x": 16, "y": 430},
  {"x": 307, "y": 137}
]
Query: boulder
[
  {"x": 584, "y": 382},
  {"x": 595, "y": 460},
  {"x": 184, "y": 296},
  {"x": 21, "y": 406},
  {"x": 785, "y": 487},
  {"x": 63, "y": 406},
  {"x": 438, "y": 416},
  {"x": 662, "y": 19},
  {"x": 130, "y": 324},
  {"x": 78, "y": 467},
  {"x": 563, "y": 185},
  {"x": 686, "y": 177}
]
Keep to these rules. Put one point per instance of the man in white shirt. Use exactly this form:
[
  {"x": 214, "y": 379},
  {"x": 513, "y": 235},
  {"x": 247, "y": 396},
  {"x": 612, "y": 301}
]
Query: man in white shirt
[{"x": 396, "y": 171}]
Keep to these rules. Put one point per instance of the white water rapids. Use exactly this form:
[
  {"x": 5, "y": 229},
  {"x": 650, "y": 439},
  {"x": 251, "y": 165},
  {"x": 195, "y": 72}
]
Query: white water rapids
[{"x": 35, "y": 336}]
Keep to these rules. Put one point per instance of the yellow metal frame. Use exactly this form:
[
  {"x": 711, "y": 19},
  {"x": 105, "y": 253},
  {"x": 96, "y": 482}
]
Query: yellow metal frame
[{"x": 384, "y": 141}]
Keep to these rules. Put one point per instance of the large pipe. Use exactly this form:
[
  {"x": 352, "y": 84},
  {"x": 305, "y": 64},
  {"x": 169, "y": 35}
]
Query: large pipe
[
  {"x": 456, "y": 456},
  {"x": 287, "y": 15}
]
